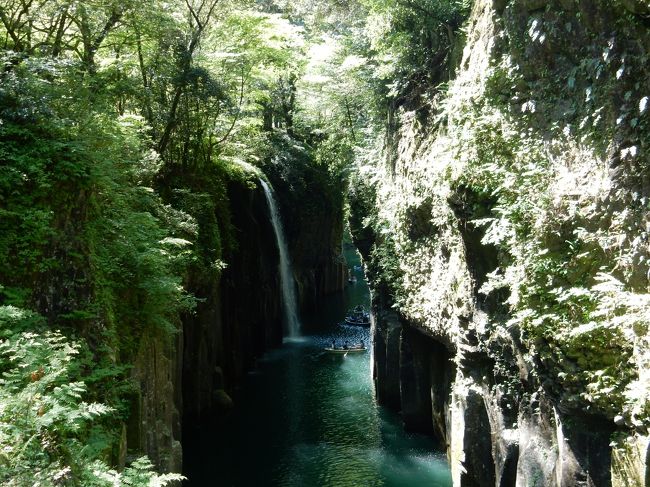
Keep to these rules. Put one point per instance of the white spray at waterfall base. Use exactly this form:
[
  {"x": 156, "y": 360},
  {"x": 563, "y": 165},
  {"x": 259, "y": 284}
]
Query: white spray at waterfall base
[{"x": 292, "y": 325}]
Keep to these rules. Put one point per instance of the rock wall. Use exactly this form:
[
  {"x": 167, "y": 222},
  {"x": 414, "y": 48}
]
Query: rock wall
[
  {"x": 154, "y": 425},
  {"x": 311, "y": 204},
  {"x": 238, "y": 316},
  {"x": 507, "y": 250},
  {"x": 186, "y": 382}
]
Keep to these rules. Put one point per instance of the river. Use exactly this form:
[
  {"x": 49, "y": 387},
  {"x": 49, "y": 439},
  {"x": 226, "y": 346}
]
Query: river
[{"x": 306, "y": 418}]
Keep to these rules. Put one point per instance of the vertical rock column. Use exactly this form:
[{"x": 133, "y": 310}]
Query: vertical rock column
[
  {"x": 415, "y": 381},
  {"x": 155, "y": 420},
  {"x": 386, "y": 356}
]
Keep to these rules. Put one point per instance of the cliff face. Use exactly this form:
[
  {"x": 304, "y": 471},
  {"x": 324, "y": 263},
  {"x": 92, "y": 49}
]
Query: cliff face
[
  {"x": 155, "y": 423},
  {"x": 239, "y": 315},
  {"x": 508, "y": 249},
  {"x": 186, "y": 382},
  {"x": 172, "y": 282},
  {"x": 311, "y": 204}
]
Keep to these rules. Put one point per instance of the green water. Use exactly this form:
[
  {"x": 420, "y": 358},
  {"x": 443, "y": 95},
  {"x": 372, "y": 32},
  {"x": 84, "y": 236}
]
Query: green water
[{"x": 309, "y": 419}]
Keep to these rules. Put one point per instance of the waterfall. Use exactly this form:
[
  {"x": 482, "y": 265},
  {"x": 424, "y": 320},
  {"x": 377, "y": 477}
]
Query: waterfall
[{"x": 286, "y": 274}]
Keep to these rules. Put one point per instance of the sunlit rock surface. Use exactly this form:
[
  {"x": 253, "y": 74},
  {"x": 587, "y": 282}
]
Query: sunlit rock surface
[{"x": 506, "y": 241}]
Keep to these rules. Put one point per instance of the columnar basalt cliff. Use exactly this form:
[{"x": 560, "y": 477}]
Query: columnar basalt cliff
[
  {"x": 186, "y": 381},
  {"x": 506, "y": 240},
  {"x": 239, "y": 316},
  {"x": 138, "y": 271},
  {"x": 311, "y": 202},
  {"x": 177, "y": 367}
]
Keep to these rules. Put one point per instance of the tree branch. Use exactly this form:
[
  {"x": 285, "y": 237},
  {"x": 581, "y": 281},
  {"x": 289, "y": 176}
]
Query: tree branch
[
  {"x": 241, "y": 101},
  {"x": 196, "y": 36},
  {"x": 8, "y": 25}
]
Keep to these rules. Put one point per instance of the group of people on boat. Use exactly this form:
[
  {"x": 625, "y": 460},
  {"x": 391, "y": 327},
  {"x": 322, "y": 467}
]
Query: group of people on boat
[
  {"x": 358, "y": 317},
  {"x": 346, "y": 345},
  {"x": 351, "y": 277}
]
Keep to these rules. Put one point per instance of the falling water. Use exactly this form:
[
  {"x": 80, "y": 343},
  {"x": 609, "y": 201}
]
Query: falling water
[{"x": 286, "y": 275}]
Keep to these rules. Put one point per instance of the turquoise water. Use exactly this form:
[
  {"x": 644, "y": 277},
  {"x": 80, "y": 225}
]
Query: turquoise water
[{"x": 306, "y": 418}]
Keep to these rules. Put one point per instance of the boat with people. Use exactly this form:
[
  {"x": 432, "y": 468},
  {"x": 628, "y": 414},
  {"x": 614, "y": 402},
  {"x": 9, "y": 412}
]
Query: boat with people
[
  {"x": 358, "y": 317},
  {"x": 346, "y": 348}
]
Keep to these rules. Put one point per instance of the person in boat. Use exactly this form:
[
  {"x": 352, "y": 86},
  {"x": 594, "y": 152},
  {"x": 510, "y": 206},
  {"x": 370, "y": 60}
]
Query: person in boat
[
  {"x": 345, "y": 345},
  {"x": 333, "y": 344},
  {"x": 361, "y": 344}
]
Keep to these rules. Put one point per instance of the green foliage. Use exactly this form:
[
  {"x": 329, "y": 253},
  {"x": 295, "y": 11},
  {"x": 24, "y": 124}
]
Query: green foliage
[
  {"x": 557, "y": 262},
  {"x": 85, "y": 239},
  {"x": 49, "y": 433},
  {"x": 547, "y": 127},
  {"x": 122, "y": 125},
  {"x": 414, "y": 40},
  {"x": 76, "y": 189}
]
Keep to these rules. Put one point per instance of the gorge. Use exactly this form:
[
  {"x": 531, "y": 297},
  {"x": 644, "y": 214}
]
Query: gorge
[{"x": 177, "y": 182}]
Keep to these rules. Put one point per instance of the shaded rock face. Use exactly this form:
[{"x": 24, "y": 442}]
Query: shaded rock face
[
  {"x": 155, "y": 421},
  {"x": 314, "y": 231},
  {"x": 310, "y": 201},
  {"x": 412, "y": 373},
  {"x": 186, "y": 382},
  {"x": 416, "y": 374},
  {"x": 386, "y": 354},
  {"x": 473, "y": 341},
  {"x": 252, "y": 302},
  {"x": 238, "y": 317}
]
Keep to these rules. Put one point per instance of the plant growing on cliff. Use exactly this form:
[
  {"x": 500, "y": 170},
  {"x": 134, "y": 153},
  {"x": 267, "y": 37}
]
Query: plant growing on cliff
[
  {"x": 552, "y": 266},
  {"x": 414, "y": 40},
  {"x": 49, "y": 434}
]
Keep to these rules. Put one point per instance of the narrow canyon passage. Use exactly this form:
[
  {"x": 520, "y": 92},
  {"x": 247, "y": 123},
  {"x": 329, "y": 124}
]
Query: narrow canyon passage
[
  {"x": 307, "y": 418},
  {"x": 182, "y": 181}
]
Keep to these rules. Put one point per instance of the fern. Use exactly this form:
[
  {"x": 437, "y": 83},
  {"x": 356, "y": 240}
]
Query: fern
[{"x": 48, "y": 432}]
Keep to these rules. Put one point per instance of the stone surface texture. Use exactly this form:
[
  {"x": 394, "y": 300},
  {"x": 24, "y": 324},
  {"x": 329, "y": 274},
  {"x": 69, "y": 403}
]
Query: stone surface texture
[{"x": 458, "y": 357}]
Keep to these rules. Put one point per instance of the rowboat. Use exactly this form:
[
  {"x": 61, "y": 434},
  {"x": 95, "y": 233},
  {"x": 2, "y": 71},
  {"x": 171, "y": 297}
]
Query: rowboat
[
  {"x": 357, "y": 321},
  {"x": 358, "y": 317},
  {"x": 345, "y": 350}
]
